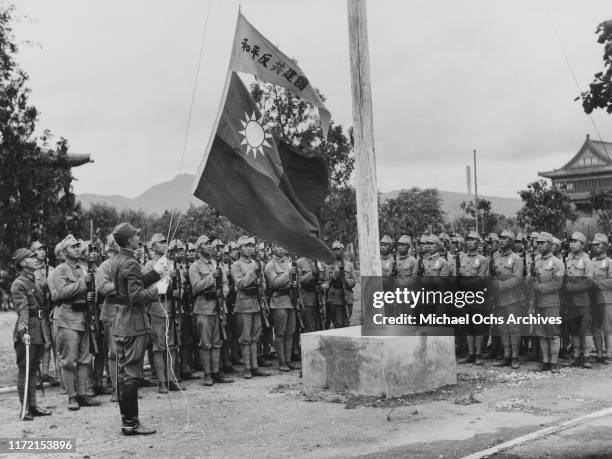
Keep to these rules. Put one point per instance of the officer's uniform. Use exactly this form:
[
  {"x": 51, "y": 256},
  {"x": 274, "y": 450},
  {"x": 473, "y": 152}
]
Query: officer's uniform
[
  {"x": 339, "y": 299},
  {"x": 278, "y": 276},
  {"x": 311, "y": 277},
  {"x": 73, "y": 336},
  {"x": 507, "y": 285},
  {"x": 28, "y": 302},
  {"x": 602, "y": 304},
  {"x": 578, "y": 283},
  {"x": 132, "y": 326}
]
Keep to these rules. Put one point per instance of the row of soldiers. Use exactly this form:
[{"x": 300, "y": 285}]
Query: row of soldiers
[
  {"x": 206, "y": 304},
  {"x": 540, "y": 276}
]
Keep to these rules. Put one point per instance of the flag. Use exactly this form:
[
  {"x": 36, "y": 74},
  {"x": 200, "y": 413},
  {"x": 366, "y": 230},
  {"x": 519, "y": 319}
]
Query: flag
[
  {"x": 264, "y": 186},
  {"x": 253, "y": 53}
]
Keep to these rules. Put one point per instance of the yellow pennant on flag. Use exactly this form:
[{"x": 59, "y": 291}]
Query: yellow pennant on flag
[{"x": 253, "y": 53}]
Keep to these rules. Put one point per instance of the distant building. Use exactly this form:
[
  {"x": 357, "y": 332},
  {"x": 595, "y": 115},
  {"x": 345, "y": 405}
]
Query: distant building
[{"x": 590, "y": 170}]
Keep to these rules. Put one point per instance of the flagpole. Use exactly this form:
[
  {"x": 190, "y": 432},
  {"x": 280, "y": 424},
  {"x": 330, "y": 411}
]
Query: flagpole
[
  {"x": 476, "y": 192},
  {"x": 367, "y": 190}
]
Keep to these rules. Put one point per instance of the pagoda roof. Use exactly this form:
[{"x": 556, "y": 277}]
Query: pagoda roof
[{"x": 599, "y": 149}]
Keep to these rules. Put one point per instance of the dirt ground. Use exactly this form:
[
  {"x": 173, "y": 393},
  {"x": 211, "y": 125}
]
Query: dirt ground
[{"x": 271, "y": 417}]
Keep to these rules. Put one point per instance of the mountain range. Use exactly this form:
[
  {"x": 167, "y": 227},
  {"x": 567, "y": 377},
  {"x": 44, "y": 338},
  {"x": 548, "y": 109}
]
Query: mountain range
[{"x": 176, "y": 194}]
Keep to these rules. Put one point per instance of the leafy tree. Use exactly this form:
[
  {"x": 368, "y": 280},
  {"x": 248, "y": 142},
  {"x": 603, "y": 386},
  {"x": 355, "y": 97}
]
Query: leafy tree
[
  {"x": 599, "y": 94},
  {"x": 413, "y": 212},
  {"x": 36, "y": 199},
  {"x": 545, "y": 207},
  {"x": 340, "y": 215},
  {"x": 488, "y": 221}
]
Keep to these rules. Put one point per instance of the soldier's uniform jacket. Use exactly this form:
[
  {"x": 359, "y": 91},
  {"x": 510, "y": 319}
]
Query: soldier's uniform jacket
[
  {"x": 106, "y": 288},
  {"x": 579, "y": 272},
  {"x": 436, "y": 266},
  {"x": 333, "y": 284},
  {"x": 164, "y": 303},
  {"x": 28, "y": 300},
  {"x": 243, "y": 273},
  {"x": 508, "y": 278},
  {"x": 387, "y": 262},
  {"x": 549, "y": 275},
  {"x": 306, "y": 273},
  {"x": 602, "y": 280},
  {"x": 452, "y": 262},
  {"x": 474, "y": 270},
  {"x": 407, "y": 267},
  {"x": 278, "y": 274},
  {"x": 72, "y": 296},
  {"x": 203, "y": 286},
  {"x": 40, "y": 279},
  {"x": 132, "y": 294}
]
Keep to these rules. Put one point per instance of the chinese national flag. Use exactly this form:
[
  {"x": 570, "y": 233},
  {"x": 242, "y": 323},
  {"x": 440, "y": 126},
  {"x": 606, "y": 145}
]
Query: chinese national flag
[{"x": 266, "y": 187}]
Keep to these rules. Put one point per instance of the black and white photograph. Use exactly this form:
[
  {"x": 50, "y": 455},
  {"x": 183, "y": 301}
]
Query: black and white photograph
[{"x": 273, "y": 228}]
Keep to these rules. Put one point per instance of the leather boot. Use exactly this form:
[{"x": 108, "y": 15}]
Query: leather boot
[
  {"x": 137, "y": 429},
  {"x": 279, "y": 344},
  {"x": 21, "y": 389},
  {"x": 38, "y": 411}
]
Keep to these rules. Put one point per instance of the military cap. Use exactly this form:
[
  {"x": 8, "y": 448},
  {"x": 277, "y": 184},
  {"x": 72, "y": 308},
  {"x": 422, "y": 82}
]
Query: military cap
[
  {"x": 599, "y": 237},
  {"x": 123, "y": 232},
  {"x": 493, "y": 237},
  {"x": 245, "y": 240},
  {"x": 404, "y": 239},
  {"x": 473, "y": 235},
  {"x": 67, "y": 242},
  {"x": 36, "y": 245},
  {"x": 110, "y": 239},
  {"x": 520, "y": 236},
  {"x": 507, "y": 233},
  {"x": 545, "y": 237},
  {"x": 190, "y": 246},
  {"x": 444, "y": 237},
  {"x": 201, "y": 241},
  {"x": 158, "y": 237},
  {"x": 435, "y": 239},
  {"x": 386, "y": 240},
  {"x": 218, "y": 242},
  {"x": 337, "y": 245},
  {"x": 179, "y": 245},
  {"x": 579, "y": 237},
  {"x": 534, "y": 235},
  {"x": 57, "y": 250},
  {"x": 21, "y": 254},
  {"x": 231, "y": 245},
  {"x": 556, "y": 241},
  {"x": 460, "y": 238},
  {"x": 424, "y": 239}
]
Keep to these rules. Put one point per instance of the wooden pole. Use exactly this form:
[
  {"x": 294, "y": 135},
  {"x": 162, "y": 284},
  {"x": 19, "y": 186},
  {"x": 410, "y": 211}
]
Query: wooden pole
[
  {"x": 475, "y": 191},
  {"x": 363, "y": 134}
]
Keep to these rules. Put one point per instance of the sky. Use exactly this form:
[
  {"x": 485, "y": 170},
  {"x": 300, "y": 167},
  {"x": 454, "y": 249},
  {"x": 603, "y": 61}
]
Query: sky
[{"x": 115, "y": 78}]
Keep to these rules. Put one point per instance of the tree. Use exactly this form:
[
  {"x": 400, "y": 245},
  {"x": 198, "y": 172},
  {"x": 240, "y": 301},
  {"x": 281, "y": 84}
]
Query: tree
[
  {"x": 488, "y": 221},
  {"x": 412, "y": 212},
  {"x": 546, "y": 208},
  {"x": 599, "y": 94},
  {"x": 339, "y": 215},
  {"x": 36, "y": 199}
]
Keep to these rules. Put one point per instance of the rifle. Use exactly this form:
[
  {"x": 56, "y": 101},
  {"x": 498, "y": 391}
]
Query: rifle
[
  {"x": 319, "y": 298},
  {"x": 91, "y": 319},
  {"x": 220, "y": 301},
  {"x": 420, "y": 264},
  {"x": 457, "y": 261},
  {"x": 262, "y": 299},
  {"x": 344, "y": 289},
  {"x": 296, "y": 295}
]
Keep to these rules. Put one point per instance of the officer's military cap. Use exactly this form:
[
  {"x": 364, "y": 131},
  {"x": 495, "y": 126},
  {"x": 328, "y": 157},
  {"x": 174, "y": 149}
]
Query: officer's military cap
[
  {"x": 158, "y": 237},
  {"x": 507, "y": 233},
  {"x": 556, "y": 241},
  {"x": 386, "y": 240},
  {"x": 67, "y": 242},
  {"x": 245, "y": 240},
  {"x": 337, "y": 245},
  {"x": 579, "y": 237},
  {"x": 599, "y": 237},
  {"x": 36, "y": 245},
  {"x": 545, "y": 237},
  {"x": 493, "y": 237},
  {"x": 202, "y": 240},
  {"x": 473, "y": 235},
  {"x": 123, "y": 232},
  {"x": 404, "y": 239},
  {"x": 21, "y": 254}
]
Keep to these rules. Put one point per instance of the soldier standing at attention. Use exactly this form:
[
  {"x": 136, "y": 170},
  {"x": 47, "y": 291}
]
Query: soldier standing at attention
[
  {"x": 339, "y": 282},
  {"x": 510, "y": 297},
  {"x": 28, "y": 302},
  {"x": 549, "y": 279},
  {"x": 602, "y": 305},
  {"x": 73, "y": 339},
  {"x": 578, "y": 283},
  {"x": 407, "y": 265},
  {"x": 307, "y": 270},
  {"x": 387, "y": 262},
  {"x": 132, "y": 326}
]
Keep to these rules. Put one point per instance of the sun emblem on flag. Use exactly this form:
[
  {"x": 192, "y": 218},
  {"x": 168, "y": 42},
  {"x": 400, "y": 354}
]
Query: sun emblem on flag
[{"x": 255, "y": 136}]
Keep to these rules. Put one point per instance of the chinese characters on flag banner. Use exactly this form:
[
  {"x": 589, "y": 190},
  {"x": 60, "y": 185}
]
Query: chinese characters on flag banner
[{"x": 253, "y": 53}]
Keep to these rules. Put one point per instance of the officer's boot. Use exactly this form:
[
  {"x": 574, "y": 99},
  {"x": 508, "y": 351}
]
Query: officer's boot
[
  {"x": 515, "y": 343},
  {"x": 545, "y": 348},
  {"x": 471, "y": 357},
  {"x": 34, "y": 409},
  {"x": 505, "y": 339},
  {"x": 205, "y": 359},
  {"x": 255, "y": 371},
  {"x": 217, "y": 374},
  {"x": 289, "y": 353},
  {"x": 131, "y": 424},
  {"x": 82, "y": 378},
  {"x": 246, "y": 356},
  {"x": 586, "y": 347},
  {"x": 279, "y": 345},
  {"x": 160, "y": 371},
  {"x": 69, "y": 381},
  {"x": 20, "y": 390},
  {"x": 555, "y": 346}
]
